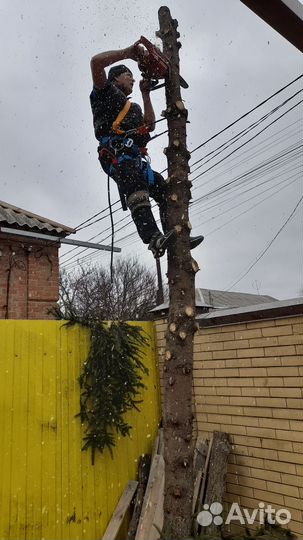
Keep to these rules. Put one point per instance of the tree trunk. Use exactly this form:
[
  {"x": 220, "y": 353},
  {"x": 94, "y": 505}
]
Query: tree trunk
[{"x": 178, "y": 415}]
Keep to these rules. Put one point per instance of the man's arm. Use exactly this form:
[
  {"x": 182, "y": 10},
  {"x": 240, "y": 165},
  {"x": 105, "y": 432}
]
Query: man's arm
[
  {"x": 149, "y": 115},
  {"x": 104, "y": 59}
]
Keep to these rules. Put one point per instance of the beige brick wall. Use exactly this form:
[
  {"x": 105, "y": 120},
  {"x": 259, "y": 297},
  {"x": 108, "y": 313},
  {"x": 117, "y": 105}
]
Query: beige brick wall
[{"x": 248, "y": 381}]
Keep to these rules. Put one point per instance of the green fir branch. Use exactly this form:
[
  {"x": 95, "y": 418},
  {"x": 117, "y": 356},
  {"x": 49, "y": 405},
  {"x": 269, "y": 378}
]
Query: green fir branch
[{"x": 110, "y": 383}]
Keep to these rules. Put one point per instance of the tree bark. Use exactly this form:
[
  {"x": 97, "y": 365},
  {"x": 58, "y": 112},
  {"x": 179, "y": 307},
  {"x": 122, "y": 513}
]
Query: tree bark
[{"x": 178, "y": 414}]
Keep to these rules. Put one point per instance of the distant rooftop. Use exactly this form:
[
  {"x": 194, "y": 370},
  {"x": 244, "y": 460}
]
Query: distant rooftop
[
  {"x": 223, "y": 299},
  {"x": 210, "y": 299},
  {"x": 14, "y": 217},
  {"x": 279, "y": 308}
]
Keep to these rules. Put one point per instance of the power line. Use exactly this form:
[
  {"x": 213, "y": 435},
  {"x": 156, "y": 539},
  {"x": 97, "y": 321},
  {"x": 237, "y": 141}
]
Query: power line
[
  {"x": 268, "y": 245},
  {"x": 242, "y": 133},
  {"x": 247, "y": 113},
  {"x": 275, "y": 160},
  {"x": 249, "y": 140},
  {"x": 259, "y": 167},
  {"x": 251, "y": 155},
  {"x": 208, "y": 140}
]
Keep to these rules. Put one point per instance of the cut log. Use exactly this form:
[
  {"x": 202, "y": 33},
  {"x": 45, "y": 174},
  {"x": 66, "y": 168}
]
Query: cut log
[
  {"x": 120, "y": 511},
  {"x": 216, "y": 483},
  {"x": 154, "y": 496},
  {"x": 143, "y": 474}
]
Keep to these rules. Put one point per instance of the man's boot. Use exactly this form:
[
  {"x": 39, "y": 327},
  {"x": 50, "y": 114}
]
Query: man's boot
[
  {"x": 194, "y": 241},
  {"x": 159, "y": 243}
]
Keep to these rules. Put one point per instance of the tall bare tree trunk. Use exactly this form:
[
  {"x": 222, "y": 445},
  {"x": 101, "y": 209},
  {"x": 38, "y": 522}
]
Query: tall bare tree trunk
[{"x": 178, "y": 415}]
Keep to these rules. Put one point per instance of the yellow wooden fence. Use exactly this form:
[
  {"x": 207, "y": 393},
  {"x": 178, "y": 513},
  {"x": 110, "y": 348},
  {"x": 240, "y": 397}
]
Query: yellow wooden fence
[{"x": 48, "y": 487}]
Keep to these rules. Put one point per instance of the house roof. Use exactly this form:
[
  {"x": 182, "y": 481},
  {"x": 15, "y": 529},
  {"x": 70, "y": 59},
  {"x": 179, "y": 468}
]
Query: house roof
[
  {"x": 270, "y": 310},
  {"x": 12, "y": 216},
  {"x": 214, "y": 299},
  {"x": 223, "y": 299}
]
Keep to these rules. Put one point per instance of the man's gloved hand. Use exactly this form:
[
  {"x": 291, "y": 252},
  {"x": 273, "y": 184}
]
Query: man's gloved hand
[
  {"x": 145, "y": 86},
  {"x": 136, "y": 52}
]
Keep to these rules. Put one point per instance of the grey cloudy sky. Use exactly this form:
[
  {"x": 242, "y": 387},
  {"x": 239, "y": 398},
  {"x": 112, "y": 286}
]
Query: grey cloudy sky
[{"x": 231, "y": 59}]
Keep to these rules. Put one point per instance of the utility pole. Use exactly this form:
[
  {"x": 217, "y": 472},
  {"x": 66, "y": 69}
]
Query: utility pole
[
  {"x": 160, "y": 293},
  {"x": 178, "y": 365}
]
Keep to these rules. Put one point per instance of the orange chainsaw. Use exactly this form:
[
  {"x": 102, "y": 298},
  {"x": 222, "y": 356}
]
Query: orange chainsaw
[{"x": 155, "y": 65}]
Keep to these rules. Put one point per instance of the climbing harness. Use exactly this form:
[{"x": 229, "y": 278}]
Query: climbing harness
[{"x": 116, "y": 123}]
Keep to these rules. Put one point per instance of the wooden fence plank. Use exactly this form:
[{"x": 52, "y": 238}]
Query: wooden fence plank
[
  {"x": 152, "y": 498},
  {"x": 120, "y": 511}
]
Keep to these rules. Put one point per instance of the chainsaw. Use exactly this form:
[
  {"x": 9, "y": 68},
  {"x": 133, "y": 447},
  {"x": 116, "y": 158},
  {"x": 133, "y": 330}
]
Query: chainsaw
[{"x": 155, "y": 65}]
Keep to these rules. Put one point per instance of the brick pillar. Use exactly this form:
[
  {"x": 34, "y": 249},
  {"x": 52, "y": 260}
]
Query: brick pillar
[{"x": 29, "y": 279}]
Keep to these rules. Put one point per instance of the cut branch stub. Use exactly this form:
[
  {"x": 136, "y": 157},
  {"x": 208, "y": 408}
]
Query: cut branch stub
[
  {"x": 182, "y": 335},
  {"x": 189, "y": 311},
  {"x": 178, "y": 229},
  {"x": 180, "y": 105},
  {"x": 189, "y": 225},
  {"x": 168, "y": 355},
  {"x": 195, "y": 266},
  {"x": 172, "y": 327},
  {"x": 174, "y": 197}
]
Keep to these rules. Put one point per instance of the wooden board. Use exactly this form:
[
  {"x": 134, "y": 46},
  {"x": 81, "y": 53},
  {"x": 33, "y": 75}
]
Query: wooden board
[
  {"x": 152, "y": 511},
  {"x": 120, "y": 511}
]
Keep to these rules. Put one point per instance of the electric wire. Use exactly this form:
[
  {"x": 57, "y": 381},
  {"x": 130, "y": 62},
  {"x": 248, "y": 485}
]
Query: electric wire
[
  {"x": 261, "y": 166},
  {"x": 271, "y": 179},
  {"x": 215, "y": 192},
  {"x": 247, "y": 113},
  {"x": 251, "y": 155},
  {"x": 134, "y": 234},
  {"x": 268, "y": 245},
  {"x": 242, "y": 133},
  {"x": 246, "y": 142},
  {"x": 210, "y": 138}
]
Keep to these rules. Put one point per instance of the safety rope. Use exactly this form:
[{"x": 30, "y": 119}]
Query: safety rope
[{"x": 113, "y": 229}]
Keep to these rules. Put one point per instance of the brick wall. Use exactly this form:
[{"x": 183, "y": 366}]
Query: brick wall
[
  {"x": 248, "y": 380},
  {"x": 29, "y": 279}
]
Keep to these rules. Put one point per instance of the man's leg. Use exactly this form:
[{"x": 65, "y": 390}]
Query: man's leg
[
  {"x": 158, "y": 191},
  {"x": 130, "y": 178}
]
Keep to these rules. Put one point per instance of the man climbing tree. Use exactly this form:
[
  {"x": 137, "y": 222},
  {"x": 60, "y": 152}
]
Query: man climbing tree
[{"x": 122, "y": 130}]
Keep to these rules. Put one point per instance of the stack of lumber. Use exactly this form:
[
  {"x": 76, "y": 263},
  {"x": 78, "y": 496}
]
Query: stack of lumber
[{"x": 146, "y": 496}]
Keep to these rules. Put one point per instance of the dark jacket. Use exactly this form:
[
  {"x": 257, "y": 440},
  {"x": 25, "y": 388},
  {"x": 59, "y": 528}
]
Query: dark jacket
[{"x": 106, "y": 104}]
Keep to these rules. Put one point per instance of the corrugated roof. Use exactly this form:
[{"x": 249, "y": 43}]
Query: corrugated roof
[
  {"x": 213, "y": 299},
  {"x": 223, "y": 299},
  {"x": 278, "y": 308},
  {"x": 22, "y": 219}
]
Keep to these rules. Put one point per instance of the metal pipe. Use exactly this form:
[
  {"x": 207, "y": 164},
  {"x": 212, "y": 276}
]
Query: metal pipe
[{"x": 49, "y": 238}]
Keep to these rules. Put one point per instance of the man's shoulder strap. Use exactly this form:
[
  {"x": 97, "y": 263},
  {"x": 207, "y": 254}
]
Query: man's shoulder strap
[{"x": 120, "y": 118}]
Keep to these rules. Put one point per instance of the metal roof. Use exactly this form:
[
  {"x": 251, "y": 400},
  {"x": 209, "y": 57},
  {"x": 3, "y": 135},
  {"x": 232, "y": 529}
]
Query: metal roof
[
  {"x": 265, "y": 310},
  {"x": 224, "y": 299},
  {"x": 13, "y": 216},
  {"x": 214, "y": 299}
]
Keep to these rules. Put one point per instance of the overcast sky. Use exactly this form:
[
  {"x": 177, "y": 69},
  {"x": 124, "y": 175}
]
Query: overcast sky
[{"x": 232, "y": 61}]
